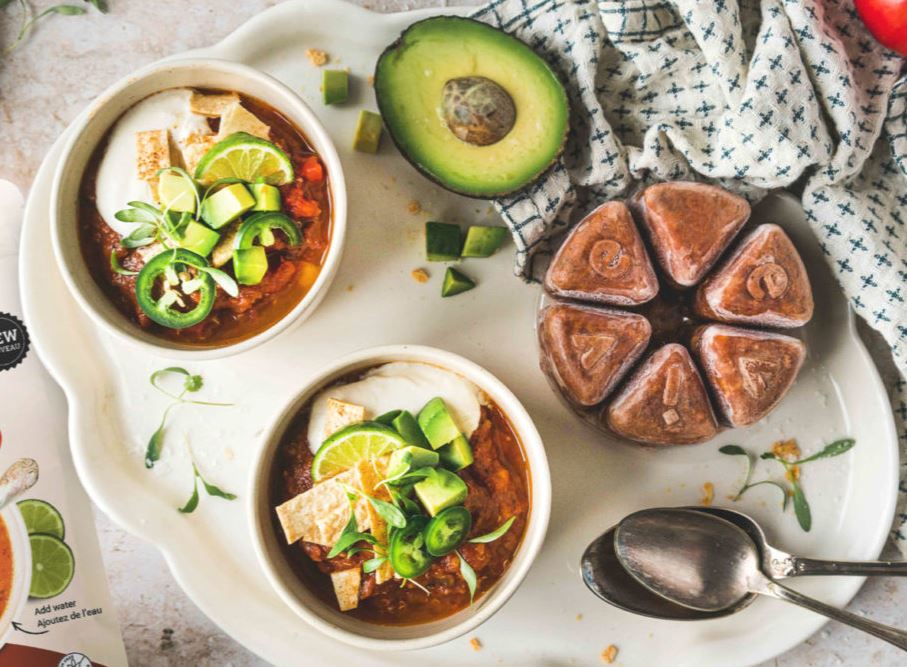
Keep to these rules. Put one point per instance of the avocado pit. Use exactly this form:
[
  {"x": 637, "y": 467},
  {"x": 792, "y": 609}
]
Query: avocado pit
[{"x": 477, "y": 110}]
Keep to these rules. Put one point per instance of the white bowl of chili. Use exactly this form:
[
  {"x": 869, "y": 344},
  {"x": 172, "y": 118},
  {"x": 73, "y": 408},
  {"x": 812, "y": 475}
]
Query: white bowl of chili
[
  {"x": 173, "y": 116},
  {"x": 508, "y": 477}
]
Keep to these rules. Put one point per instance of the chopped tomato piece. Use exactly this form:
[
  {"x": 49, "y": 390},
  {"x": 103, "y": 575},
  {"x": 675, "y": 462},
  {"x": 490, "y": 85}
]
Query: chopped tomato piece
[
  {"x": 301, "y": 207},
  {"x": 312, "y": 169}
]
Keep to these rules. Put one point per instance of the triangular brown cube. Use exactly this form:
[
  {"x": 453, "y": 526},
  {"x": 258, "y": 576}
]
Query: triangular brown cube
[
  {"x": 690, "y": 225},
  {"x": 763, "y": 282},
  {"x": 664, "y": 402},
  {"x": 749, "y": 371},
  {"x": 586, "y": 351},
  {"x": 604, "y": 260}
]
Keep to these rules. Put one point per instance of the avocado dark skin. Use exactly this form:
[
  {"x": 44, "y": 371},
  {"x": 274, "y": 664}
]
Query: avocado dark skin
[{"x": 383, "y": 106}]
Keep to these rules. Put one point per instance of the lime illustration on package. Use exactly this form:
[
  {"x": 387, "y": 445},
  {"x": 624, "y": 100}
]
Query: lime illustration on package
[{"x": 55, "y": 607}]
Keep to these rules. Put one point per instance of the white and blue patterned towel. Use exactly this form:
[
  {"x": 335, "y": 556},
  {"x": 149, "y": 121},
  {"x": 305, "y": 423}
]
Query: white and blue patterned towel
[{"x": 750, "y": 94}]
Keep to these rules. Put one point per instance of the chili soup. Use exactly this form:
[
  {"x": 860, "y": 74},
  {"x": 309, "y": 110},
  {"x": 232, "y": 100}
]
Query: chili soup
[
  {"x": 204, "y": 216},
  {"x": 401, "y": 494}
]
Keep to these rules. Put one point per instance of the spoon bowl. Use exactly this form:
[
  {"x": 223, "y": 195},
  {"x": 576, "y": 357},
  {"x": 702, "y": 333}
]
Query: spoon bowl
[
  {"x": 698, "y": 561},
  {"x": 707, "y": 563},
  {"x": 608, "y": 580}
]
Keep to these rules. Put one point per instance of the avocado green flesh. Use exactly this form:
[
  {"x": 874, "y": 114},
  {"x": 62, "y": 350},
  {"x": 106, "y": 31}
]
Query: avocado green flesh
[
  {"x": 456, "y": 454},
  {"x": 441, "y": 490},
  {"x": 409, "y": 82}
]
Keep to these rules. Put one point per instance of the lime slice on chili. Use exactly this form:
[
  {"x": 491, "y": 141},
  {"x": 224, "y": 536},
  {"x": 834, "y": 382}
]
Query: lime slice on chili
[
  {"x": 349, "y": 446},
  {"x": 52, "y": 566},
  {"x": 41, "y": 517},
  {"x": 245, "y": 157}
]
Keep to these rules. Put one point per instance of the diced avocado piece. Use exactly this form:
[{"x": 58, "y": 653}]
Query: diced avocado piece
[
  {"x": 335, "y": 86},
  {"x": 483, "y": 241},
  {"x": 442, "y": 242},
  {"x": 456, "y": 455},
  {"x": 440, "y": 490},
  {"x": 410, "y": 458},
  {"x": 227, "y": 204},
  {"x": 388, "y": 418},
  {"x": 177, "y": 193},
  {"x": 199, "y": 239},
  {"x": 368, "y": 132},
  {"x": 437, "y": 424},
  {"x": 456, "y": 282},
  {"x": 250, "y": 265},
  {"x": 506, "y": 112},
  {"x": 267, "y": 197},
  {"x": 407, "y": 426}
]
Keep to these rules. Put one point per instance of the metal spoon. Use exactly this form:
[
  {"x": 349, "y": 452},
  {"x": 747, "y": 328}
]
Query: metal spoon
[
  {"x": 605, "y": 576},
  {"x": 704, "y": 562}
]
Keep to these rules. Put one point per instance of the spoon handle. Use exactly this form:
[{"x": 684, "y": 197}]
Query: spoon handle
[
  {"x": 885, "y": 632},
  {"x": 810, "y": 566}
]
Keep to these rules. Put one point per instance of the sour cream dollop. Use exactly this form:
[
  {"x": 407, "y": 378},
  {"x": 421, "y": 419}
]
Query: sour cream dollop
[
  {"x": 401, "y": 385},
  {"x": 118, "y": 182}
]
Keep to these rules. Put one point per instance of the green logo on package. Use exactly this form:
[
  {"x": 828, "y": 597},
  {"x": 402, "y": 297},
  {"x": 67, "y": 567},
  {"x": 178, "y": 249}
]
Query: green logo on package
[{"x": 13, "y": 341}]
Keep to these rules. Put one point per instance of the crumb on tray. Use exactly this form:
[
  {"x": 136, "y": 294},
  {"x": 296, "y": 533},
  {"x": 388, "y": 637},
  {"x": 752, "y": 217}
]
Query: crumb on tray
[
  {"x": 788, "y": 450},
  {"x": 414, "y": 207},
  {"x": 609, "y": 655},
  {"x": 419, "y": 275},
  {"x": 708, "y": 494},
  {"x": 317, "y": 57},
  {"x": 476, "y": 644}
]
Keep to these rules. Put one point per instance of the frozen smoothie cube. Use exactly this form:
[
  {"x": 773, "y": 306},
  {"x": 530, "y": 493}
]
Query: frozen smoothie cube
[
  {"x": 748, "y": 371},
  {"x": 763, "y": 282},
  {"x": 604, "y": 260},
  {"x": 690, "y": 225},
  {"x": 586, "y": 351},
  {"x": 664, "y": 402}
]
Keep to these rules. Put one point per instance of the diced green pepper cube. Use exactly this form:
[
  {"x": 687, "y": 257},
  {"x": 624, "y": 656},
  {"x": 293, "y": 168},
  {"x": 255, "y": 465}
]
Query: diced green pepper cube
[
  {"x": 368, "y": 132},
  {"x": 483, "y": 241},
  {"x": 456, "y": 283},
  {"x": 335, "y": 86},
  {"x": 442, "y": 242}
]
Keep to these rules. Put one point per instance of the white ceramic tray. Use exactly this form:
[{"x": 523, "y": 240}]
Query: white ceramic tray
[{"x": 552, "y": 620}]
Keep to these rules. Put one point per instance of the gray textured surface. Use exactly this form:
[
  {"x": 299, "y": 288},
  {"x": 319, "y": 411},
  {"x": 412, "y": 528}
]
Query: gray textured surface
[{"x": 66, "y": 63}]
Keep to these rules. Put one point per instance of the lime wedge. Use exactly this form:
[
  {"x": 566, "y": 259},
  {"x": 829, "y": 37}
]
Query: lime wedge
[
  {"x": 41, "y": 517},
  {"x": 246, "y": 157},
  {"x": 52, "y": 566},
  {"x": 349, "y": 446}
]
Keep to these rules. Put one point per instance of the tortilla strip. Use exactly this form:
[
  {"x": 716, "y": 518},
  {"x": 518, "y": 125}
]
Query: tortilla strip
[
  {"x": 340, "y": 414},
  {"x": 320, "y": 514},
  {"x": 346, "y": 587},
  {"x": 371, "y": 476},
  {"x": 223, "y": 251},
  {"x": 236, "y": 118},
  {"x": 215, "y": 104},
  {"x": 152, "y": 153},
  {"x": 194, "y": 148}
]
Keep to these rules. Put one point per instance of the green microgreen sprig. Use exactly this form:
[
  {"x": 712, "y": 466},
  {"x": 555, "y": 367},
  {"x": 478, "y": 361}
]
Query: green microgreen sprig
[
  {"x": 191, "y": 384},
  {"x": 30, "y": 19},
  {"x": 791, "y": 488},
  {"x": 210, "y": 489},
  {"x": 116, "y": 267}
]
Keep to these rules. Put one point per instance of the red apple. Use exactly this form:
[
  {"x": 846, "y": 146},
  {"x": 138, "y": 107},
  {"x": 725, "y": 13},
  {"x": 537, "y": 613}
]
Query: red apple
[{"x": 887, "y": 20}]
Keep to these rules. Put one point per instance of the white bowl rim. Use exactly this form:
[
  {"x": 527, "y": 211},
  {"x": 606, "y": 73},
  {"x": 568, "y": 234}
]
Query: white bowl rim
[
  {"x": 532, "y": 445},
  {"x": 313, "y": 129}
]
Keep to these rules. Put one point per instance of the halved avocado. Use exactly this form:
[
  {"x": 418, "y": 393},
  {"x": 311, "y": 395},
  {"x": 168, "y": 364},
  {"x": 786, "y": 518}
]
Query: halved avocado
[{"x": 471, "y": 107}]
